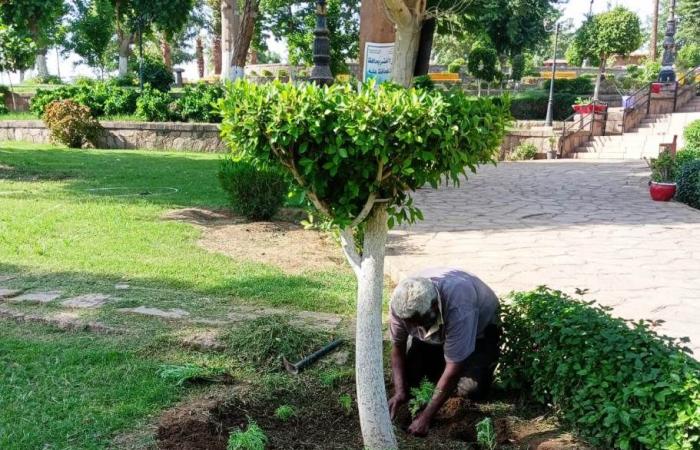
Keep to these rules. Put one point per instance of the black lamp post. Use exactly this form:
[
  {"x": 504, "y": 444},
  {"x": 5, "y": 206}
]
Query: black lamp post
[
  {"x": 321, "y": 73},
  {"x": 550, "y": 105},
  {"x": 667, "y": 74}
]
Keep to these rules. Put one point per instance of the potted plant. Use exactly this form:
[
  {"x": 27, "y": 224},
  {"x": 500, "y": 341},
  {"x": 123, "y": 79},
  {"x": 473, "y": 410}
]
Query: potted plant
[
  {"x": 662, "y": 188},
  {"x": 584, "y": 105}
]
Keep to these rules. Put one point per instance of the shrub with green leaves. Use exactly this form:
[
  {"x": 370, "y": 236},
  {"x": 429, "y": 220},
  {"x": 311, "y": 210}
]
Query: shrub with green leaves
[
  {"x": 532, "y": 105},
  {"x": 420, "y": 397},
  {"x": 155, "y": 73},
  {"x": 336, "y": 138},
  {"x": 456, "y": 65},
  {"x": 181, "y": 374},
  {"x": 44, "y": 97},
  {"x": 691, "y": 133},
  {"x": 255, "y": 193},
  {"x": 524, "y": 151},
  {"x": 617, "y": 383},
  {"x": 423, "y": 82},
  {"x": 253, "y": 438},
  {"x": 198, "y": 102},
  {"x": 485, "y": 434},
  {"x": 686, "y": 155},
  {"x": 153, "y": 105},
  {"x": 103, "y": 98},
  {"x": 71, "y": 123},
  {"x": 579, "y": 86},
  {"x": 3, "y": 108},
  {"x": 689, "y": 184}
]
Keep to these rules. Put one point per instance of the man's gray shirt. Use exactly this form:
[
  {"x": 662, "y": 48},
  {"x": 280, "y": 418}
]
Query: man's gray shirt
[{"x": 468, "y": 306}]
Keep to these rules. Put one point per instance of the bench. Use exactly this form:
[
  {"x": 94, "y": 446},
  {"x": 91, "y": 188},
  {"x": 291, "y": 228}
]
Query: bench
[
  {"x": 560, "y": 75},
  {"x": 445, "y": 77},
  {"x": 669, "y": 147}
]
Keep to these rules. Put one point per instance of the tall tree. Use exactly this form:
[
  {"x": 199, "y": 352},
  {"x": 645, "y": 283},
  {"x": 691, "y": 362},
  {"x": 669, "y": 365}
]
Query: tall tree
[
  {"x": 689, "y": 14},
  {"x": 91, "y": 30},
  {"x": 616, "y": 32},
  {"x": 165, "y": 16},
  {"x": 17, "y": 53},
  {"x": 38, "y": 19},
  {"x": 654, "y": 31}
]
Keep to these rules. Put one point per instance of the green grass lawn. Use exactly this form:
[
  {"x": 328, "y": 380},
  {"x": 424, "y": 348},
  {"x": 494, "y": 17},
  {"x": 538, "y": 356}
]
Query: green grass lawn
[{"x": 75, "y": 221}]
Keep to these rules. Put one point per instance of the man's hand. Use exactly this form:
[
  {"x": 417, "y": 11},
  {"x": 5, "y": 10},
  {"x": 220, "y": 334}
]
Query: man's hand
[
  {"x": 420, "y": 426},
  {"x": 397, "y": 401}
]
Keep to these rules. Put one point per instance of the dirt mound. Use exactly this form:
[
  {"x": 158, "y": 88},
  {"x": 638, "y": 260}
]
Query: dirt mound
[{"x": 282, "y": 243}]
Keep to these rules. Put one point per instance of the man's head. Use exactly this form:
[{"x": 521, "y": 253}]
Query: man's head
[{"x": 415, "y": 300}]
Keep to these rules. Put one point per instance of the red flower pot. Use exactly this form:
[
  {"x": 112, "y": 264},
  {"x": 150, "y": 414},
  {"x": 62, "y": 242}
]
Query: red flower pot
[
  {"x": 583, "y": 109},
  {"x": 662, "y": 192},
  {"x": 600, "y": 108},
  {"x": 656, "y": 88}
]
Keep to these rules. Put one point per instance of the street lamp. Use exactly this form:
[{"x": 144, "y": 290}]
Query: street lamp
[
  {"x": 550, "y": 104},
  {"x": 667, "y": 75},
  {"x": 321, "y": 73}
]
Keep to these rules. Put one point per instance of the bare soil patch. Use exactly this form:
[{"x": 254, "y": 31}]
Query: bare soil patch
[
  {"x": 282, "y": 243},
  {"x": 321, "y": 423}
]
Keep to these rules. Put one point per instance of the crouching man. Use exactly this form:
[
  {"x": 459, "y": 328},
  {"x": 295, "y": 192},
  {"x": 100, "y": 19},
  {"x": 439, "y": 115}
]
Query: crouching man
[{"x": 452, "y": 320}]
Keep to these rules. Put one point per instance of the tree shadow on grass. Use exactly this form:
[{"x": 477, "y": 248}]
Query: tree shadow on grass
[{"x": 162, "y": 178}]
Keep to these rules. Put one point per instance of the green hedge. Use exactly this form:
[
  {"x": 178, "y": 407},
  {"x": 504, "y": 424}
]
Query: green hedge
[
  {"x": 579, "y": 86},
  {"x": 688, "y": 180},
  {"x": 532, "y": 105},
  {"x": 692, "y": 135},
  {"x": 616, "y": 383}
]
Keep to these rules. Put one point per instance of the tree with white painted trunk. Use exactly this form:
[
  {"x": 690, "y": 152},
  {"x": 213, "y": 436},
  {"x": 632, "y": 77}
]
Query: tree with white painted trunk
[
  {"x": 358, "y": 155},
  {"x": 237, "y": 27}
]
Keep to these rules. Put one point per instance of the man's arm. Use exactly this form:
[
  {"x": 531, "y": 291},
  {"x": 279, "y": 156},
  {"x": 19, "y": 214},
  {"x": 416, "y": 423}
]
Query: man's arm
[
  {"x": 398, "y": 370},
  {"x": 446, "y": 385}
]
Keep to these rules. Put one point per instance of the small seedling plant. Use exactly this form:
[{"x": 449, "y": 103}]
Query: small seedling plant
[
  {"x": 253, "y": 438},
  {"x": 345, "y": 402},
  {"x": 485, "y": 434},
  {"x": 189, "y": 373},
  {"x": 420, "y": 397},
  {"x": 285, "y": 412}
]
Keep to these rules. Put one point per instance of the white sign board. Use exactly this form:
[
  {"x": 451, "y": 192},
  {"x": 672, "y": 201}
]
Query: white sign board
[{"x": 378, "y": 60}]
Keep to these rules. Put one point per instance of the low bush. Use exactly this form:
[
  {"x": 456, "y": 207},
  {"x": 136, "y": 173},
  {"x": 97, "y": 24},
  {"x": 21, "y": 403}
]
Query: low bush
[
  {"x": 48, "y": 79},
  {"x": 456, "y": 65},
  {"x": 616, "y": 383},
  {"x": 688, "y": 180},
  {"x": 523, "y": 152},
  {"x": 686, "y": 155},
  {"x": 424, "y": 82},
  {"x": 692, "y": 135},
  {"x": 71, "y": 123},
  {"x": 532, "y": 105},
  {"x": 285, "y": 412},
  {"x": 3, "y": 108},
  {"x": 256, "y": 194},
  {"x": 198, "y": 103},
  {"x": 155, "y": 73},
  {"x": 580, "y": 86},
  {"x": 266, "y": 73},
  {"x": 44, "y": 97},
  {"x": 103, "y": 98},
  {"x": 282, "y": 73},
  {"x": 127, "y": 80},
  {"x": 153, "y": 105}
]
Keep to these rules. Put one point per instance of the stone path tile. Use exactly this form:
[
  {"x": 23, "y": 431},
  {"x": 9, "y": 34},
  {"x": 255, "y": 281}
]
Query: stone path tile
[
  {"x": 9, "y": 293},
  {"x": 86, "y": 301},
  {"x": 38, "y": 297},
  {"x": 566, "y": 224},
  {"x": 155, "y": 312}
]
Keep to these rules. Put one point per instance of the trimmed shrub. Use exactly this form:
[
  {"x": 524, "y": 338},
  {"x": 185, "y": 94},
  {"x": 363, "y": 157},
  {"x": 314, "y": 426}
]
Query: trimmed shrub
[
  {"x": 198, "y": 103},
  {"x": 616, "y": 383},
  {"x": 71, "y": 123},
  {"x": 3, "y": 91},
  {"x": 456, "y": 65},
  {"x": 154, "y": 105},
  {"x": 580, "y": 86},
  {"x": 686, "y": 155},
  {"x": 523, "y": 152},
  {"x": 103, "y": 98},
  {"x": 689, "y": 184},
  {"x": 128, "y": 80},
  {"x": 424, "y": 82},
  {"x": 256, "y": 194},
  {"x": 692, "y": 135},
  {"x": 266, "y": 73},
  {"x": 44, "y": 97},
  {"x": 532, "y": 105},
  {"x": 155, "y": 73}
]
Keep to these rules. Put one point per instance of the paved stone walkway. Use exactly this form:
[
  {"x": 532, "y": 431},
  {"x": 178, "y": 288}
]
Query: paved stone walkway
[{"x": 566, "y": 224}]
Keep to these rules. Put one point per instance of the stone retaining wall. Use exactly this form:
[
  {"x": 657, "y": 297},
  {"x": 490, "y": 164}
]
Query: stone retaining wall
[{"x": 196, "y": 137}]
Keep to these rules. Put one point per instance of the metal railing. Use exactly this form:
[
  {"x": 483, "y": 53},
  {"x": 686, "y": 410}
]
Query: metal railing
[{"x": 576, "y": 123}]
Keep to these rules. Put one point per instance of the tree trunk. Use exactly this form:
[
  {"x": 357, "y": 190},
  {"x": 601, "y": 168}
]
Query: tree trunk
[
  {"x": 124, "y": 52},
  {"x": 228, "y": 29},
  {"x": 374, "y": 27},
  {"x": 243, "y": 37},
  {"x": 216, "y": 55},
  {"x": 405, "y": 54},
  {"x": 655, "y": 31},
  {"x": 598, "y": 80},
  {"x": 199, "y": 51},
  {"x": 377, "y": 430},
  {"x": 42, "y": 70},
  {"x": 167, "y": 53},
  {"x": 425, "y": 47}
]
